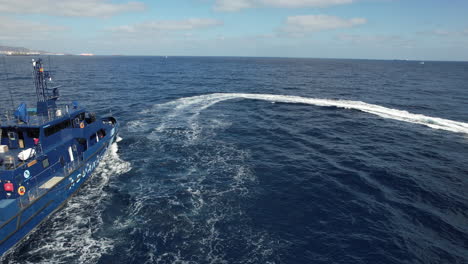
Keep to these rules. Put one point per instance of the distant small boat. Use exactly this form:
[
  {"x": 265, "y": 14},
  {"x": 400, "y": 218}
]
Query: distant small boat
[{"x": 422, "y": 62}]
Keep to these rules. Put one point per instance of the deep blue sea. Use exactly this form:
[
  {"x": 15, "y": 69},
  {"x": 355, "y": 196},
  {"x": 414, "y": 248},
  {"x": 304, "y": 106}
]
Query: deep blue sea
[{"x": 263, "y": 160}]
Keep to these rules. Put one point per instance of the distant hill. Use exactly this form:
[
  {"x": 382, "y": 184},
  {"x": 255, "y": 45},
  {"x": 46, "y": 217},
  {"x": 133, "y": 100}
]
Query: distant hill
[{"x": 8, "y": 50}]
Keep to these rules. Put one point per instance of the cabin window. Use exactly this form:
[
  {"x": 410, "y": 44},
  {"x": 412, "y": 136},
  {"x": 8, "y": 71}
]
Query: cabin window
[
  {"x": 33, "y": 133},
  {"x": 12, "y": 135},
  {"x": 8, "y": 138},
  {"x": 21, "y": 139},
  {"x": 57, "y": 127},
  {"x": 91, "y": 118},
  {"x": 45, "y": 163},
  {"x": 93, "y": 139},
  {"x": 82, "y": 144},
  {"x": 77, "y": 120},
  {"x": 101, "y": 133}
]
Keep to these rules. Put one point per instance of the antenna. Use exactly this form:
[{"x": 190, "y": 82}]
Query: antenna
[
  {"x": 50, "y": 65},
  {"x": 8, "y": 81},
  {"x": 45, "y": 97}
]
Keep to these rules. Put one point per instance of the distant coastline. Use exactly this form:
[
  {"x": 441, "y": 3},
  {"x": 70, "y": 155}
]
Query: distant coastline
[{"x": 20, "y": 51}]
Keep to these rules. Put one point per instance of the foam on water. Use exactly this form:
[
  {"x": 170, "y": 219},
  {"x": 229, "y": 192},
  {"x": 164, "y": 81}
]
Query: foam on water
[
  {"x": 201, "y": 200},
  {"x": 69, "y": 235},
  {"x": 194, "y": 105},
  {"x": 177, "y": 122},
  {"x": 193, "y": 206}
]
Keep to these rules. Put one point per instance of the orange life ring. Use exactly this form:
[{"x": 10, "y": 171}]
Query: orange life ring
[
  {"x": 82, "y": 125},
  {"x": 21, "y": 190}
]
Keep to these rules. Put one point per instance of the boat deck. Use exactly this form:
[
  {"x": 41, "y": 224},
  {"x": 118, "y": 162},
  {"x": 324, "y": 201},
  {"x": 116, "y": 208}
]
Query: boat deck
[{"x": 12, "y": 154}]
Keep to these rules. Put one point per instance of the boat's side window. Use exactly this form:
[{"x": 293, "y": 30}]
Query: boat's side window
[
  {"x": 91, "y": 118},
  {"x": 4, "y": 138},
  {"x": 92, "y": 139},
  {"x": 45, "y": 163},
  {"x": 82, "y": 144},
  {"x": 101, "y": 133},
  {"x": 57, "y": 127},
  {"x": 12, "y": 135},
  {"x": 76, "y": 122},
  {"x": 21, "y": 139},
  {"x": 33, "y": 133}
]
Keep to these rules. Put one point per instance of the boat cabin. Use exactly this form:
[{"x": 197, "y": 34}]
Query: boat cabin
[{"x": 45, "y": 140}]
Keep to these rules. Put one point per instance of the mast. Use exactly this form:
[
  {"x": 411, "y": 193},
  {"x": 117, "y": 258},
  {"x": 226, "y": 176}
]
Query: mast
[
  {"x": 45, "y": 97},
  {"x": 9, "y": 86}
]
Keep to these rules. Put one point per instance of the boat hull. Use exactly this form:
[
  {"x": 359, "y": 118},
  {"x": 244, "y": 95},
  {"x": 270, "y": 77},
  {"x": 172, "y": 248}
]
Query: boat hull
[{"x": 30, "y": 217}]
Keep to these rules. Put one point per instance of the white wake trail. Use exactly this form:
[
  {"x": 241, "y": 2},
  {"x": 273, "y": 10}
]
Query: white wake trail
[{"x": 194, "y": 105}]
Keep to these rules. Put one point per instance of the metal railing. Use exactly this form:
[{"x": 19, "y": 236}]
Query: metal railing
[
  {"x": 57, "y": 171},
  {"x": 8, "y": 118},
  {"x": 72, "y": 166}
]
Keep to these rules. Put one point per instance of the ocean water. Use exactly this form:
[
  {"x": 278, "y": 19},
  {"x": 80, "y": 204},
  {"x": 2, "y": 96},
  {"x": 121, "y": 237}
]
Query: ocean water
[{"x": 263, "y": 160}]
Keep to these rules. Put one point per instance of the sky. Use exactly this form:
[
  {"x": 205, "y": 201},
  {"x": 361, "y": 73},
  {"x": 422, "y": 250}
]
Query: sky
[{"x": 362, "y": 29}]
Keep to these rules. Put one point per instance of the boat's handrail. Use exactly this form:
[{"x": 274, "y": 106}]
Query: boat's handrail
[
  {"x": 37, "y": 191},
  {"x": 72, "y": 165},
  {"x": 8, "y": 117},
  {"x": 48, "y": 168}
]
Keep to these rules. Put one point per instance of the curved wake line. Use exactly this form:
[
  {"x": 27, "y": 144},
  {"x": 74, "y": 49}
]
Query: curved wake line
[{"x": 205, "y": 101}]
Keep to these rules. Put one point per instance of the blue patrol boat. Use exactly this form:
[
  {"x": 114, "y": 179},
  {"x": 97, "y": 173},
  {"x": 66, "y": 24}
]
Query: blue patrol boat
[{"x": 46, "y": 154}]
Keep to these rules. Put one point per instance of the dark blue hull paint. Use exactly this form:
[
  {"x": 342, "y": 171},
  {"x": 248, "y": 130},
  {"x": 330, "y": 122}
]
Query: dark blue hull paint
[{"x": 18, "y": 227}]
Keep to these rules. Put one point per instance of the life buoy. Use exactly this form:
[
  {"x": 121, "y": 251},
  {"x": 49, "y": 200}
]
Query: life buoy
[
  {"x": 21, "y": 190},
  {"x": 82, "y": 125}
]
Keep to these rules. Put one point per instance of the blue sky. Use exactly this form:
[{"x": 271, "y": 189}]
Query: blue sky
[{"x": 368, "y": 29}]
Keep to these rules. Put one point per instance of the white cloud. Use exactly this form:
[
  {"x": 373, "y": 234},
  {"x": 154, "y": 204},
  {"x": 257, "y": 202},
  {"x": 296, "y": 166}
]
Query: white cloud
[
  {"x": 445, "y": 33},
  {"x": 441, "y": 32},
  {"x": 14, "y": 29},
  {"x": 313, "y": 23},
  {"x": 168, "y": 25},
  {"x": 76, "y": 8},
  {"x": 233, "y": 5},
  {"x": 236, "y": 5},
  {"x": 304, "y": 3},
  {"x": 359, "y": 39}
]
